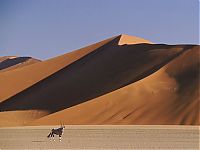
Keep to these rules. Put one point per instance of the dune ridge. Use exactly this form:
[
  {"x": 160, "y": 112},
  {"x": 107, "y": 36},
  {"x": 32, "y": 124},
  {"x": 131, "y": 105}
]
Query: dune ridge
[{"x": 118, "y": 82}]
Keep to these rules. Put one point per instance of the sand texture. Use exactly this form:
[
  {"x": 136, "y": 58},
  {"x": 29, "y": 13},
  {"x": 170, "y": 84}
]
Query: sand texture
[{"x": 101, "y": 137}]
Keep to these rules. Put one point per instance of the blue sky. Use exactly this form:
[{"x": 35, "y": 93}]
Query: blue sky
[{"x": 47, "y": 28}]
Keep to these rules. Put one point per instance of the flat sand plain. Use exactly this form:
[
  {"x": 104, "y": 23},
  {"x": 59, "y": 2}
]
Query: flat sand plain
[{"x": 102, "y": 137}]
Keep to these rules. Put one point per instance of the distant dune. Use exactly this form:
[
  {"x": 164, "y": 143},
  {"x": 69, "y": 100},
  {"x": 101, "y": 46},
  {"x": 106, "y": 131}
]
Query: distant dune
[
  {"x": 121, "y": 80},
  {"x": 13, "y": 62}
]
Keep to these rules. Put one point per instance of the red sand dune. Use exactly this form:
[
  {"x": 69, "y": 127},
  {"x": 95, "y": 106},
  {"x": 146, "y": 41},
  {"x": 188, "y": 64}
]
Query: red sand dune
[
  {"x": 13, "y": 62},
  {"x": 17, "y": 80},
  {"x": 113, "y": 83}
]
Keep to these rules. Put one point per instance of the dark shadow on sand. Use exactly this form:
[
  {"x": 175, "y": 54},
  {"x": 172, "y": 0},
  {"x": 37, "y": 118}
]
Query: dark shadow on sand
[{"x": 11, "y": 62}]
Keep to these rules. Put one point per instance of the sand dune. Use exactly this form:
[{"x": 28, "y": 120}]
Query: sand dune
[
  {"x": 2, "y": 58},
  {"x": 17, "y": 80},
  {"x": 113, "y": 82},
  {"x": 157, "y": 99},
  {"x": 12, "y": 62}
]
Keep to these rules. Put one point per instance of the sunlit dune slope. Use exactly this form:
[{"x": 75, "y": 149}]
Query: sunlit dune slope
[{"x": 127, "y": 39}]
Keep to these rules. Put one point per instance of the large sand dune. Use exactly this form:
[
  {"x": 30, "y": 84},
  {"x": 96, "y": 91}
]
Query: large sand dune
[
  {"x": 122, "y": 80},
  {"x": 161, "y": 98},
  {"x": 17, "y": 80}
]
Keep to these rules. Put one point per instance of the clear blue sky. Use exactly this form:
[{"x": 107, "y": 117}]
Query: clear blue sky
[{"x": 47, "y": 28}]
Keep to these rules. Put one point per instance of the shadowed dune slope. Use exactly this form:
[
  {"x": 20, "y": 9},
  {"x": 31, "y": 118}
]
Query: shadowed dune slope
[
  {"x": 2, "y": 58},
  {"x": 169, "y": 96},
  {"x": 10, "y": 62},
  {"x": 17, "y": 80}
]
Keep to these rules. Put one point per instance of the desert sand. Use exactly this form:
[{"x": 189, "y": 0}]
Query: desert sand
[
  {"x": 102, "y": 137},
  {"x": 121, "y": 80}
]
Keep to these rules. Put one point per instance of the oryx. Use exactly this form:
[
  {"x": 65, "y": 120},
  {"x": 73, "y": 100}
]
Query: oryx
[{"x": 58, "y": 131}]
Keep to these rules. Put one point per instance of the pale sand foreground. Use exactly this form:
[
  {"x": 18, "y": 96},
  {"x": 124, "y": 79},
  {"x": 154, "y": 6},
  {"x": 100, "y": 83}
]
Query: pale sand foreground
[{"x": 102, "y": 137}]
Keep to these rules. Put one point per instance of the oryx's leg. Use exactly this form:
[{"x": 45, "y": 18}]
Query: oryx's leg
[
  {"x": 53, "y": 137},
  {"x": 50, "y": 136},
  {"x": 59, "y": 137}
]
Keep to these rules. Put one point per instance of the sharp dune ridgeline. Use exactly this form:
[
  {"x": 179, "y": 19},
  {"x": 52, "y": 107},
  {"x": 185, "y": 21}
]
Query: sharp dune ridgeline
[{"x": 121, "y": 80}]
